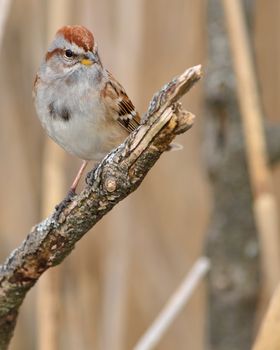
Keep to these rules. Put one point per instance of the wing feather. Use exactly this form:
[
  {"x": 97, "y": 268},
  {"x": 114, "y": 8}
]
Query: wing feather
[{"x": 121, "y": 106}]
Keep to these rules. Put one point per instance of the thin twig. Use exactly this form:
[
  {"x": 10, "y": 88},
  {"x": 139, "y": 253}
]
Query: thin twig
[
  {"x": 175, "y": 304},
  {"x": 119, "y": 174}
]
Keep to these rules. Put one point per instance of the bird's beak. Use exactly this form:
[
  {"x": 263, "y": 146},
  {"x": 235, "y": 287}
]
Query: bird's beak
[
  {"x": 89, "y": 59},
  {"x": 86, "y": 62}
]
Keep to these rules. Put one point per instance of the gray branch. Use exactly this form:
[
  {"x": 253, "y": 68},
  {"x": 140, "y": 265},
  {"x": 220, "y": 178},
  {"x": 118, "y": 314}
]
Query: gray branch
[{"x": 119, "y": 174}]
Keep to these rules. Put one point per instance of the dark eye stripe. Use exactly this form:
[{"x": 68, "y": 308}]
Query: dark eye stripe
[
  {"x": 54, "y": 52},
  {"x": 62, "y": 53}
]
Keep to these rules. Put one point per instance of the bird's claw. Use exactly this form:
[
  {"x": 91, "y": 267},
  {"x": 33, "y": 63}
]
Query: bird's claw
[
  {"x": 62, "y": 205},
  {"x": 90, "y": 177}
]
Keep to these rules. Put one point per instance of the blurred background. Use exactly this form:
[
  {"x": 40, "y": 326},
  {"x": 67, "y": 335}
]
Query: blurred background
[{"x": 194, "y": 202}]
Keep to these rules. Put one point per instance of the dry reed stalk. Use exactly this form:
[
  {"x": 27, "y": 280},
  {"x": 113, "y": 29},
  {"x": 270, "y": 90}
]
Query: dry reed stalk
[
  {"x": 269, "y": 335},
  {"x": 174, "y": 306},
  {"x": 53, "y": 186},
  {"x": 4, "y": 12},
  {"x": 117, "y": 259}
]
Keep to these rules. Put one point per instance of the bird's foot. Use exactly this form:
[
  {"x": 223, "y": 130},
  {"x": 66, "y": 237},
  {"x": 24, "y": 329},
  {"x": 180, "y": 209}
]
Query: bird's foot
[
  {"x": 62, "y": 205},
  {"x": 90, "y": 176}
]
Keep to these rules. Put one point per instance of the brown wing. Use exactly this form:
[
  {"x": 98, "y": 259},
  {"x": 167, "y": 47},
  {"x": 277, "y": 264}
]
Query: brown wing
[{"x": 122, "y": 107}]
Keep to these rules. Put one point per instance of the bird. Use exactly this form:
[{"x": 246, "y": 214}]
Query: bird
[{"x": 79, "y": 103}]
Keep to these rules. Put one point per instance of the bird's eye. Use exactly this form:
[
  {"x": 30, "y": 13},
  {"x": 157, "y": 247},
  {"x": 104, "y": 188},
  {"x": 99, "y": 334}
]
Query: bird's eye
[{"x": 68, "y": 53}]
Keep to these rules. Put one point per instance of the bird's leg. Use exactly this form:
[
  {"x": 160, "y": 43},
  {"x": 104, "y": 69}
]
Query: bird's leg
[
  {"x": 77, "y": 178},
  {"x": 72, "y": 192}
]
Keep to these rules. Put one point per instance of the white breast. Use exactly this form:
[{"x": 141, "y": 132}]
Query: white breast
[{"x": 90, "y": 131}]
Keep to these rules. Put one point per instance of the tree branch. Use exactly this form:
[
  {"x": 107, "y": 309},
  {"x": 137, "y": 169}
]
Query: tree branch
[{"x": 119, "y": 174}]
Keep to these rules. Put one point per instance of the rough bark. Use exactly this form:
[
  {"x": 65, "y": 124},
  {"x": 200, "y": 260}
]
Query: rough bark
[
  {"x": 232, "y": 242},
  {"x": 119, "y": 174}
]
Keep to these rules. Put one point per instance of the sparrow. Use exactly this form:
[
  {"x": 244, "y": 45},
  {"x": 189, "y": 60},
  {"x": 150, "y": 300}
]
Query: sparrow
[{"x": 82, "y": 107}]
